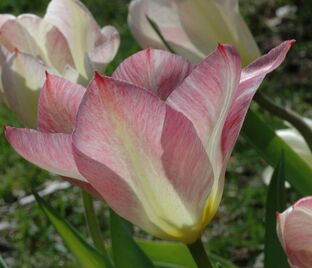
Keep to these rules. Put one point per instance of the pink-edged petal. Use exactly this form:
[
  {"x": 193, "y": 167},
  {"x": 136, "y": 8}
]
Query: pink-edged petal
[
  {"x": 50, "y": 151},
  {"x": 22, "y": 78},
  {"x": 205, "y": 97},
  {"x": 78, "y": 26},
  {"x": 14, "y": 36},
  {"x": 5, "y": 17},
  {"x": 251, "y": 78},
  {"x": 113, "y": 189},
  {"x": 58, "y": 104},
  {"x": 268, "y": 62},
  {"x": 298, "y": 236},
  {"x": 156, "y": 70},
  {"x": 86, "y": 186},
  {"x": 184, "y": 157},
  {"x": 131, "y": 132},
  {"x": 53, "y": 45},
  {"x": 105, "y": 48},
  {"x": 208, "y": 23},
  {"x": 165, "y": 15}
]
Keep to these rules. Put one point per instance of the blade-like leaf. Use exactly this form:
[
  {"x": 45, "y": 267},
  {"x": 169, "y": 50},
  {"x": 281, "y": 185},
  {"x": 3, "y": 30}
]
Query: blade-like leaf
[
  {"x": 86, "y": 255},
  {"x": 274, "y": 255},
  {"x": 126, "y": 253},
  {"x": 2, "y": 263},
  {"x": 270, "y": 146},
  {"x": 172, "y": 253}
]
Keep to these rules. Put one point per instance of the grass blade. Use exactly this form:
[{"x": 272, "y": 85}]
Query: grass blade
[
  {"x": 86, "y": 254},
  {"x": 126, "y": 253},
  {"x": 270, "y": 147},
  {"x": 274, "y": 255}
]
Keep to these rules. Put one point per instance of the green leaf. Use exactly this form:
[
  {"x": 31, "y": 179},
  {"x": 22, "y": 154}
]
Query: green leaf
[
  {"x": 166, "y": 254},
  {"x": 270, "y": 146},
  {"x": 126, "y": 253},
  {"x": 274, "y": 255},
  {"x": 2, "y": 263},
  {"x": 86, "y": 254}
]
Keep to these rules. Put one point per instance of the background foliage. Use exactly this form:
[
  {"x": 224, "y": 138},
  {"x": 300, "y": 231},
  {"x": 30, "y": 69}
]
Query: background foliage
[{"x": 26, "y": 238}]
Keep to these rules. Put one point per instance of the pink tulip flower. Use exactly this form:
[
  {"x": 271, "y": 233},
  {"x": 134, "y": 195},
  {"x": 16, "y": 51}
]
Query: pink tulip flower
[
  {"x": 67, "y": 41},
  {"x": 192, "y": 27},
  {"x": 154, "y": 140},
  {"x": 294, "y": 229}
]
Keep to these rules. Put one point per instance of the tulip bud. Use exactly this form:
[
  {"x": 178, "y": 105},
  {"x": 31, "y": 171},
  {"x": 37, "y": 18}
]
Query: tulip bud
[{"x": 294, "y": 229}]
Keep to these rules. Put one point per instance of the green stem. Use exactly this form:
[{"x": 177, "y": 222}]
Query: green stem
[
  {"x": 199, "y": 254},
  {"x": 287, "y": 115},
  {"x": 92, "y": 222}
]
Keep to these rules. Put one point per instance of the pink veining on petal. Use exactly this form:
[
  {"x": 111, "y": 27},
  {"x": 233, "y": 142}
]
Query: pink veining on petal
[
  {"x": 156, "y": 70},
  {"x": 58, "y": 104},
  {"x": 251, "y": 78},
  {"x": 185, "y": 160},
  {"x": 52, "y": 152}
]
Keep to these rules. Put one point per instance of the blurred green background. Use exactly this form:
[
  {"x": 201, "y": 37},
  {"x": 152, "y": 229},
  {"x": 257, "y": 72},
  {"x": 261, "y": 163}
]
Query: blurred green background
[{"x": 26, "y": 237}]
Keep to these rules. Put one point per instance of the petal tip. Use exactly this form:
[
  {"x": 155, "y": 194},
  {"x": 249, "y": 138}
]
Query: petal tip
[
  {"x": 277, "y": 215},
  {"x": 221, "y": 48},
  {"x": 7, "y": 130},
  {"x": 291, "y": 42}
]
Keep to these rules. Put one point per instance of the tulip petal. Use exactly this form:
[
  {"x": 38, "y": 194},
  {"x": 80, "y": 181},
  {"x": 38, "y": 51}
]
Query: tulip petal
[
  {"x": 164, "y": 13},
  {"x": 52, "y": 152},
  {"x": 298, "y": 237},
  {"x": 58, "y": 104},
  {"x": 14, "y": 36},
  {"x": 216, "y": 22},
  {"x": 5, "y": 17},
  {"x": 54, "y": 47},
  {"x": 120, "y": 128},
  {"x": 78, "y": 26},
  {"x": 22, "y": 78},
  {"x": 205, "y": 97},
  {"x": 114, "y": 191},
  {"x": 251, "y": 78},
  {"x": 156, "y": 70},
  {"x": 105, "y": 49}
]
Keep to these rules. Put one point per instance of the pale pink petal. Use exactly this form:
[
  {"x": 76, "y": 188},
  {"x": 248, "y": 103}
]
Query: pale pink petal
[
  {"x": 120, "y": 197},
  {"x": 305, "y": 203},
  {"x": 205, "y": 97},
  {"x": 58, "y": 104},
  {"x": 5, "y": 17},
  {"x": 52, "y": 152},
  {"x": 86, "y": 186},
  {"x": 298, "y": 237},
  {"x": 208, "y": 23},
  {"x": 184, "y": 157},
  {"x": 251, "y": 78},
  {"x": 156, "y": 70},
  {"x": 130, "y": 132},
  {"x": 105, "y": 48},
  {"x": 78, "y": 26},
  {"x": 22, "y": 78},
  {"x": 54, "y": 47},
  {"x": 14, "y": 36},
  {"x": 164, "y": 14}
]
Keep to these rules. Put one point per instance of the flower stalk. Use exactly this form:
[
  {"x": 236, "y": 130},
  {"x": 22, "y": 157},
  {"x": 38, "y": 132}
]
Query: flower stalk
[
  {"x": 93, "y": 225},
  {"x": 287, "y": 115},
  {"x": 199, "y": 254}
]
